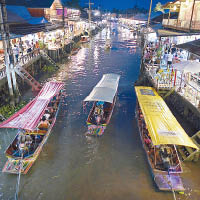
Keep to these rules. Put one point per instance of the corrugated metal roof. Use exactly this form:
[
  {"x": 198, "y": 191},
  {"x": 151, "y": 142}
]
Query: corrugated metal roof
[
  {"x": 34, "y": 3},
  {"x": 20, "y": 14},
  {"x": 39, "y": 3},
  {"x": 168, "y": 33},
  {"x": 16, "y": 2},
  {"x": 22, "y": 23},
  {"x": 31, "y": 3}
]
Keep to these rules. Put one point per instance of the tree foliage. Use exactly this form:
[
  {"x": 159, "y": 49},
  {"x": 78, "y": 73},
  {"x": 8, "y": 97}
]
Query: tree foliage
[
  {"x": 159, "y": 7},
  {"x": 73, "y": 4},
  {"x": 133, "y": 11}
]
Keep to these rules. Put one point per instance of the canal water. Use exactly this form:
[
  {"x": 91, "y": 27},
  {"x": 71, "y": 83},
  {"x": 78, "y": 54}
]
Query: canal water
[{"x": 72, "y": 166}]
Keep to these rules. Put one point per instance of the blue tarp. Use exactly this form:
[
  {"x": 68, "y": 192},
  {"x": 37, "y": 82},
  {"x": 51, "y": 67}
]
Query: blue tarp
[
  {"x": 31, "y": 3},
  {"x": 13, "y": 36},
  {"x": 23, "y": 14}
]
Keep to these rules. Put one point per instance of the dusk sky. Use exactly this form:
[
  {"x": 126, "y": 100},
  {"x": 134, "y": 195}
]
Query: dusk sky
[{"x": 123, "y": 4}]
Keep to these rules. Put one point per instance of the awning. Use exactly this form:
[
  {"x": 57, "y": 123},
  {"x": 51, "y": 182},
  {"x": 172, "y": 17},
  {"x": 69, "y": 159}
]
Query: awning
[
  {"x": 29, "y": 116},
  {"x": 20, "y": 14},
  {"x": 187, "y": 66},
  {"x": 105, "y": 90},
  {"x": 161, "y": 123},
  {"x": 193, "y": 46}
]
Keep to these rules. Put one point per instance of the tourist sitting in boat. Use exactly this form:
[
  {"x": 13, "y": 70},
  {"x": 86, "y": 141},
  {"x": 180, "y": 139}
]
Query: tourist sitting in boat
[
  {"x": 158, "y": 160},
  {"x": 49, "y": 114},
  {"x": 165, "y": 158},
  {"x": 151, "y": 154},
  {"x": 99, "y": 112},
  {"x": 24, "y": 142},
  {"x": 99, "y": 108},
  {"x": 38, "y": 138},
  {"x": 44, "y": 124},
  {"x": 28, "y": 140},
  {"x": 147, "y": 141}
]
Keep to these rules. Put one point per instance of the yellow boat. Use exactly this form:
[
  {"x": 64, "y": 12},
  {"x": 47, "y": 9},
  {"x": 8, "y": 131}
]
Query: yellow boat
[{"x": 160, "y": 133}]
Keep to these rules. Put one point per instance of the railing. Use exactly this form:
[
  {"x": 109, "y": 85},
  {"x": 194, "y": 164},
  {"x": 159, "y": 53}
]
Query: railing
[
  {"x": 195, "y": 25},
  {"x": 60, "y": 17},
  {"x": 170, "y": 22},
  {"x": 21, "y": 61},
  {"x": 165, "y": 22},
  {"x": 28, "y": 57},
  {"x": 189, "y": 91},
  {"x": 2, "y": 72}
]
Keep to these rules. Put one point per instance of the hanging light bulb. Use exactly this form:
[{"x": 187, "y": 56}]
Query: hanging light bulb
[{"x": 175, "y": 7}]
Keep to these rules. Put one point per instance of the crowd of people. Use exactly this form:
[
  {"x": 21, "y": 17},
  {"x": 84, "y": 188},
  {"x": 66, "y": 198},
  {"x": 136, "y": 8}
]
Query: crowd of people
[
  {"x": 23, "y": 48},
  {"x": 163, "y": 54},
  {"x": 160, "y": 59}
]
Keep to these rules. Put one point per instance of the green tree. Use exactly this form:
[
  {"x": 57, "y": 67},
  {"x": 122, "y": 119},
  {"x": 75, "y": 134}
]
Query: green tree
[
  {"x": 73, "y": 4},
  {"x": 159, "y": 7}
]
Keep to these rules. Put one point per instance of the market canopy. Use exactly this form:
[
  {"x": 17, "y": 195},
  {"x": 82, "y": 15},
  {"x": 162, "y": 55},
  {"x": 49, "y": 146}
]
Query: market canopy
[
  {"x": 188, "y": 66},
  {"x": 20, "y": 14},
  {"x": 105, "y": 90},
  {"x": 192, "y": 47},
  {"x": 161, "y": 123},
  {"x": 28, "y": 117}
]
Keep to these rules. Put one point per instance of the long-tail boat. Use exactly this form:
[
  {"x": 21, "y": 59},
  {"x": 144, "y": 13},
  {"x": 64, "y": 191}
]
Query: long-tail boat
[
  {"x": 160, "y": 133},
  {"x": 34, "y": 123},
  {"x": 104, "y": 97}
]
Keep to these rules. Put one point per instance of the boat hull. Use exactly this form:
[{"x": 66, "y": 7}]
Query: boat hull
[
  {"x": 18, "y": 165},
  {"x": 165, "y": 181},
  {"x": 97, "y": 130}
]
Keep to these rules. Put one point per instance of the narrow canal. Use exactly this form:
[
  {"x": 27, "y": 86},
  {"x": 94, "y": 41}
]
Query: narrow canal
[{"x": 112, "y": 167}]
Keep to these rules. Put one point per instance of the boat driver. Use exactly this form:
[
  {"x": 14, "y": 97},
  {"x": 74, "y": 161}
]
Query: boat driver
[
  {"x": 165, "y": 158},
  {"x": 99, "y": 108}
]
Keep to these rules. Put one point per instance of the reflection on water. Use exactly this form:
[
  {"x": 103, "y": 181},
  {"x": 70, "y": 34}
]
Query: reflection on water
[{"x": 112, "y": 167}]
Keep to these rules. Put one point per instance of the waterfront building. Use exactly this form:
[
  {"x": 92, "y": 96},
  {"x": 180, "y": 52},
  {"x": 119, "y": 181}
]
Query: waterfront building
[{"x": 188, "y": 18}]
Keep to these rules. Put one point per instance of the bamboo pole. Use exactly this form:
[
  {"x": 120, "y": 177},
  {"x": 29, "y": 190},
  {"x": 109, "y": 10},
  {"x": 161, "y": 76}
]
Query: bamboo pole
[
  {"x": 149, "y": 14},
  {"x": 169, "y": 16},
  {"x": 19, "y": 177}
]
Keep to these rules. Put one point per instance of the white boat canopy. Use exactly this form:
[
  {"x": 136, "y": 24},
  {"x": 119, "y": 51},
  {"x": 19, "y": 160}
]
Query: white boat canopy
[{"x": 105, "y": 89}]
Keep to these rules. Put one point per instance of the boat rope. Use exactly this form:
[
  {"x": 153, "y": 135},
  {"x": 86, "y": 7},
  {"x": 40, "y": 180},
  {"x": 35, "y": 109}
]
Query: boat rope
[
  {"x": 170, "y": 184},
  {"x": 19, "y": 176}
]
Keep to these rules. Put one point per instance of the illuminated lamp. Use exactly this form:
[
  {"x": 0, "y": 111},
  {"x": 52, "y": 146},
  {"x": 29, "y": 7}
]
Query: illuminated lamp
[{"x": 174, "y": 7}]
